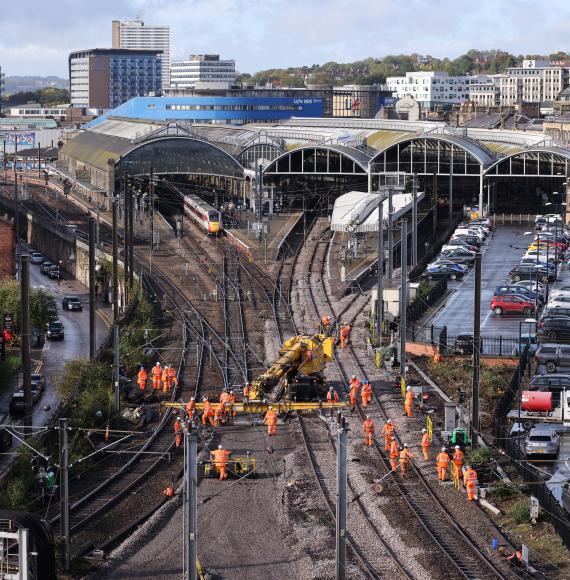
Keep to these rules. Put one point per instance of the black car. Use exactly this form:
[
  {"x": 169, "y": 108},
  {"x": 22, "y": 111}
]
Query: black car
[
  {"x": 554, "y": 384},
  {"x": 554, "y": 328},
  {"x": 462, "y": 260},
  {"x": 17, "y": 402},
  {"x": 530, "y": 272},
  {"x": 464, "y": 344},
  {"x": 469, "y": 240},
  {"x": 54, "y": 273},
  {"x": 44, "y": 268},
  {"x": 443, "y": 271},
  {"x": 72, "y": 303},
  {"x": 55, "y": 330},
  {"x": 38, "y": 386},
  {"x": 553, "y": 313}
]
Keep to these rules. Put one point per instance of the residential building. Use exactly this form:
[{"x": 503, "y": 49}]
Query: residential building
[
  {"x": 486, "y": 93},
  {"x": 204, "y": 71},
  {"x": 7, "y": 248},
  {"x": 134, "y": 34},
  {"x": 104, "y": 78},
  {"x": 434, "y": 88}
]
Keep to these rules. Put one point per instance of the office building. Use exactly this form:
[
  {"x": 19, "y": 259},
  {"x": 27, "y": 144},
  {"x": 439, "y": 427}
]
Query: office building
[
  {"x": 204, "y": 71},
  {"x": 432, "y": 89},
  {"x": 135, "y": 35},
  {"x": 104, "y": 78},
  {"x": 486, "y": 93}
]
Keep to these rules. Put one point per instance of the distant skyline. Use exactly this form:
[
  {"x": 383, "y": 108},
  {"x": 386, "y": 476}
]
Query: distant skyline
[{"x": 279, "y": 33}]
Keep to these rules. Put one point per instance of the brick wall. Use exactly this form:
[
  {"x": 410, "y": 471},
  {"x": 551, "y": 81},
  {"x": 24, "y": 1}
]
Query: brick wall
[{"x": 7, "y": 249}]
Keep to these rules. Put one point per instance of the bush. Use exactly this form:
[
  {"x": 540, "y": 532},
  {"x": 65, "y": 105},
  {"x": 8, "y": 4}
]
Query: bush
[
  {"x": 479, "y": 456},
  {"x": 502, "y": 490},
  {"x": 520, "y": 511}
]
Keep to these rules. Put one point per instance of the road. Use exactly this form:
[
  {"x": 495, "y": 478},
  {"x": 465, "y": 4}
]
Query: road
[
  {"x": 50, "y": 359},
  {"x": 500, "y": 253}
]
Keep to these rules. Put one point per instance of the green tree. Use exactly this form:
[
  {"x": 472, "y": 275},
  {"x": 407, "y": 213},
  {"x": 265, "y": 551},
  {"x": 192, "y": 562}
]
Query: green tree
[{"x": 42, "y": 305}]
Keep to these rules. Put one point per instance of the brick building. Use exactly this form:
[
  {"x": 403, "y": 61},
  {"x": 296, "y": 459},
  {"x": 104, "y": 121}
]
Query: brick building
[{"x": 7, "y": 249}]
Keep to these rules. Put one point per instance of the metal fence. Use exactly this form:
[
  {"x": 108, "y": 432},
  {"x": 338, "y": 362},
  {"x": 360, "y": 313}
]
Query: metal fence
[
  {"x": 553, "y": 512},
  {"x": 420, "y": 305},
  {"x": 438, "y": 336}
]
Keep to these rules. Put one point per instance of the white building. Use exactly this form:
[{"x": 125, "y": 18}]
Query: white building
[
  {"x": 135, "y": 34},
  {"x": 36, "y": 111},
  {"x": 433, "y": 88},
  {"x": 486, "y": 93},
  {"x": 204, "y": 71}
]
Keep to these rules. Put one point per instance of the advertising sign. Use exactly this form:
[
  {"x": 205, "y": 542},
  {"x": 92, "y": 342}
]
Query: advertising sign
[{"x": 22, "y": 139}]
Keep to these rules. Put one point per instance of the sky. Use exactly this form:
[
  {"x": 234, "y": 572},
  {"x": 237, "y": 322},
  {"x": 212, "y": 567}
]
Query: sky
[{"x": 280, "y": 33}]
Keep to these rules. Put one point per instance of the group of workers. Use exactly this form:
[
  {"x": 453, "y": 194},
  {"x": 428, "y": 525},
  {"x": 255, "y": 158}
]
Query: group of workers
[
  {"x": 163, "y": 378},
  {"x": 326, "y": 326},
  {"x": 356, "y": 388}
]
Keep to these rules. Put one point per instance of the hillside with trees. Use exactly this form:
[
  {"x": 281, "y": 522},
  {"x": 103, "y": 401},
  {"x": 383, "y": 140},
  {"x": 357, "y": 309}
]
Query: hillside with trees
[
  {"x": 376, "y": 70},
  {"x": 48, "y": 97}
]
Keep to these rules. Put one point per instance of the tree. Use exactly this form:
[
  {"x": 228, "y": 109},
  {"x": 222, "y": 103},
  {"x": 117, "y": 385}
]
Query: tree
[{"x": 43, "y": 308}]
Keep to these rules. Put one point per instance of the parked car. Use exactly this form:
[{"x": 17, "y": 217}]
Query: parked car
[
  {"x": 17, "y": 402},
  {"x": 542, "y": 256},
  {"x": 37, "y": 258},
  {"x": 454, "y": 244},
  {"x": 459, "y": 256},
  {"x": 464, "y": 344},
  {"x": 71, "y": 303},
  {"x": 553, "y": 356},
  {"x": 542, "y": 440},
  {"x": 514, "y": 289},
  {"x": 555, "y": 328},
  {"x": 54, "y": 273},
  {"x": 561, "y": 291},
  {"x": 443, "y": 271},
  {"x": 55, "y": 330},
  {"x": 38, "y": 386},
  {"x": 442, "y": 261},
  {"x": 468, "y": 239},
  {"x": 511, "y": 304},
  {"x": 44, "y": 268},
  {"x": 559, "y": 302},
  {"x": 542, "y": 262},
  {"x": 553, "y": 313},
  {"x": 531, "y": 285},
  {"x": 531, "y": 272}
]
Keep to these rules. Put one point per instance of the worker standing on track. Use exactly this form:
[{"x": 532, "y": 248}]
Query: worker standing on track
[
  {"x": 224, "y": 396},
  {"x": 142, "y": 377},
  {"x": 405, "y": 456},
  {"x": 366, "y": 393},
  {"x": 352, "y": 395},
  {"x": 470, "y": 483},
  {"x": 220, "y": 459},
  {"x": 388, "y": 432},
  {"x": 219, "y": 414},
  {"x": 191, "y": 408},
  {"x": 165, "y": 380},
  {"x": 232, "y": 400},
  {"x": 354, "y": 382},
  {"x": 207, "y": 413},
  {"x": 178, "y": 431},
  {"x": 457, "y": 459},
  {"x": 172, "y": 378},
  {"x": 408, "y": 402},
  {"x": 394, "y": 454},
  {"x": 344, "y": 335},
  {"x": 246, "y": 391},
  {"x": 325, "y": 325},
  {"x": 425, "y": 444},
  {"x": 442, "y": 464},
  {"x": 270, "y": 420},
  {"x": 368, "y": 428},
  {"x": 156, "y": 376},
  {"x": 332, "y": 396}
]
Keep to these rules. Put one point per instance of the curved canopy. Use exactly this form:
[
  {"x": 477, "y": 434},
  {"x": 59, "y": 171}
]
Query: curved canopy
[
  {"x": 323, "y": 159},
  {"x": 539, "y": 161}
]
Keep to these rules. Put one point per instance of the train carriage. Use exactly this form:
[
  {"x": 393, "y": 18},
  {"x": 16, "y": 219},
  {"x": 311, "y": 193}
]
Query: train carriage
[{"x": 206, "y": 216}]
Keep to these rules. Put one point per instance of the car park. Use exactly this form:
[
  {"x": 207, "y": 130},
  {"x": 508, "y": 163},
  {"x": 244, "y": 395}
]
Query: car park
[
  {"x": 530, "y": 272},
  {"x": 553, "y": 356},
  {"x": 511, "y": 304},
  {"x": 44, "y": 268},
  {"x": 443, "y": 271},
  {"x": 55, "y": 330},
  {"x": 555, "y": 328},
  {"x": 36, "y": 258},
  {"x": 542, "y": 440},
  {"x": 71, "y": 303},
  {"x": 466, "y": 239}
]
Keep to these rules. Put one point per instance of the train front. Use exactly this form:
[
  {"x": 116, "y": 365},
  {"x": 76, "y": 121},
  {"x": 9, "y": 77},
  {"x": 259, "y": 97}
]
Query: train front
[{"x": 214, "y": 223}]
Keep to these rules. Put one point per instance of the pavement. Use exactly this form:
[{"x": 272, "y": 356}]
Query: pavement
[
  {"x": 500, "y": 253},
  {"x": 50, "y": 359}
]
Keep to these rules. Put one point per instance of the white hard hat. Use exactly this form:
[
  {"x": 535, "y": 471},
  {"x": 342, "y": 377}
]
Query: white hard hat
[
  {"x": 191, "y": 398},
  {"x": 424, "y": 430},
  {"x": 158, "y": 363},
  {"x": 405, "y": 444},
  {"x": 231, "y": 392},
  {"x": 368, "y": 416},
  {"x": 457, "y": 447},
  {"x": 142, "y": 368},
  {"x": 219, "y": 446},
  {"x": 408, "y": 388},
  {"x": 270, "y": 407},
  {"x": 389, "y": 421},
  {"x": 330, "y": 388},
  {"x": 178, "y": 418},
  {"x": 353, "y": 376},
  {"x": 443, "y": 448}
]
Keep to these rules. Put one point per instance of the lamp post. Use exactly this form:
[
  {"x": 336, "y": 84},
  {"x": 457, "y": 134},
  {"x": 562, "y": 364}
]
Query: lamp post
[
  {"x": 537, "y": 253},
  {"x": 522, "y": 351}
]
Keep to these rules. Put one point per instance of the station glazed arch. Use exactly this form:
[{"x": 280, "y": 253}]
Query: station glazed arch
[
  {"x": 526, "y": 180},
  {"x": 314, "y": 176}
]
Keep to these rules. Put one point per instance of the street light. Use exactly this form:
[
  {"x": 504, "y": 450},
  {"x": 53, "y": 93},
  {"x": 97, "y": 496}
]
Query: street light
[{"x": 521, "y": 351}]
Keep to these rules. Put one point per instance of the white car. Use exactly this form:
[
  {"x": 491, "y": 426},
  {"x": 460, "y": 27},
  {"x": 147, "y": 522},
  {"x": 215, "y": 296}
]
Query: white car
[
  {"x": 443, "y": 261},
  {"x": 531, "y": 285},
  {"x": 559, "y": 302},
  {"x": 562, "y": 291}
]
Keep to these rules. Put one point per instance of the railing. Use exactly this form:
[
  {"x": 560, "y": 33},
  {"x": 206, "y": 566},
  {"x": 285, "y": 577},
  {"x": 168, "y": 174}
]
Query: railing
[{"x": 420, "y": 305}]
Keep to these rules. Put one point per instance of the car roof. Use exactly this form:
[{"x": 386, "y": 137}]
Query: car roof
[{"x": 71, "y": 298}]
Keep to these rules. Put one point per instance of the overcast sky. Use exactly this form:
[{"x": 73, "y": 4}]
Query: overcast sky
[{"x": 277, "y": 33}]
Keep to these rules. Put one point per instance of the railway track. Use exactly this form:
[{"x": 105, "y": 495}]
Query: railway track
[
  {"x": 465, "y": 558},
  {"x": 373, "y": 554}
]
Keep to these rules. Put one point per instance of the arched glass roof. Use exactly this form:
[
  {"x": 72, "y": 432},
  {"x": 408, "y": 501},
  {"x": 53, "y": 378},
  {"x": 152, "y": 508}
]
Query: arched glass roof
[
  {"x": 323, "y": 159},
  {"x": 539, "y": 161}
]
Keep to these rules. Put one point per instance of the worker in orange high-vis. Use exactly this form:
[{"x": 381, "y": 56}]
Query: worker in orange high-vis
[
  {"x": 457, "y": 459},
  {"x": 470, "y": 483},
  {"x": 246, "y": 391},
  {"x": 142, "y": 377},
  {"x": 344, "y": 335},
  {"x": 405, "y": 456},
  {"x": 178, "y": 431},
  {"x": 408, "y": 402},
  {"x": 219, "y": 414},
  {"x": 332, "y": 396},
  {"x": 220, "y": 460},
  {"x": 368, "y": 428},
  {"x": 224, "y": 396},
  {"x": 388, "y": 432},
  {"x": 172, "y": 378},
  {"x": 354, "y": 382},
  {"x": 366, "y": 394},
  {"x": 442, "y": 462},
  {"x": 191, "y": 408},
  {"x": 232, "y": 400},
  {"x": 325, "y": 324},
  {"x": 165, "y": 380},
  {"x": 156, "y": 376},
  {"x": 352, "y": 395},
  {"x": 425, "y": 444},
  {"x": 394, "y": 454},
  {"x": 270, "y": 420},
  {"x": 207, "y": 413}
]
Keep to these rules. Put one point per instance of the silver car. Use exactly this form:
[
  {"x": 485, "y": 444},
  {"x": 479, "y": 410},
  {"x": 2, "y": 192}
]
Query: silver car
[{"x": 542, "y": 440}]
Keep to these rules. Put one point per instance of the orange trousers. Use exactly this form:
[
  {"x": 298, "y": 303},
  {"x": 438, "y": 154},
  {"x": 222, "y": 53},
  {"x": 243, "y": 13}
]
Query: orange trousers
[
  {"x": 178, "y": 438},
  {"x": 223, "y": 471},
  {"x": 387, "y": 442},
  {"x": 272, "y": 430},
  {"x": 442, "y": 473},
  {"x": 408, "y": 410},
  {"x": 394, "y": 462},
  {"x": 368, "y": 439},
  {"x": 425, "y": 451}
]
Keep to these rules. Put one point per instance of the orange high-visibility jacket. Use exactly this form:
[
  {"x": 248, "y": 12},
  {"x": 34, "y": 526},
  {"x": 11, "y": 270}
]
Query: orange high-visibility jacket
[
  {"x": 425, "y": 440},
  {"x": 458, "y": 456},
  {"x": 177, "y": 427},
  {"x": 142, "y": 377},
  {"x": 156, "y": 371},
  {"x": 394, "y": 451},
  {"x": 332, "y": 397},
  {"x": 388, "y": 430},
  {"x": 190, "y": 406},
  {"x": 469, "y": 475},
  {"x": 368, "y": 426},
  {"x": 220, "y": 457},
  {"x": 443, "y": 460},
  {"x": 270, "y": 418}
]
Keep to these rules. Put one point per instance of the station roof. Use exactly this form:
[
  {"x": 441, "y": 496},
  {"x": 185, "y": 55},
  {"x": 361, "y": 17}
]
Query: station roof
[{"x": 96, "y": 149}]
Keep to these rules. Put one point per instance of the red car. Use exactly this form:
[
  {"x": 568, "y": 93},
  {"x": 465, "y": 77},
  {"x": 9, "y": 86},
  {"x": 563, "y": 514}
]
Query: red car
[{"x": 512, "y": 304}]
